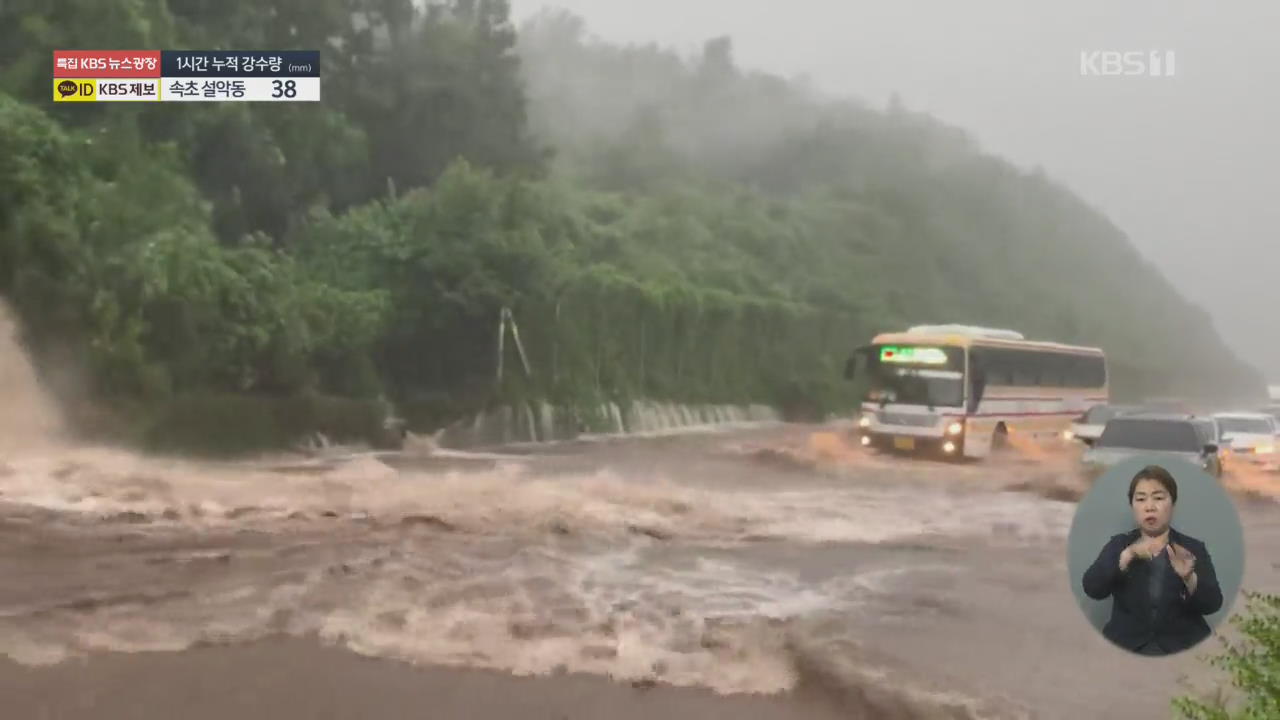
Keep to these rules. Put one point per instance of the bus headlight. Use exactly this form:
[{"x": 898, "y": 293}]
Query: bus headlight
[{"x": 955, "y": 428}]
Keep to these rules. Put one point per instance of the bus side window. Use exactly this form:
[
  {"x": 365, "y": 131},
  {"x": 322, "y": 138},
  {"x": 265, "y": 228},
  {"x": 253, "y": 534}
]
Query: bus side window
[
  {"x": 1096, "y": 372},
  {"x": 1070, "y": 373},
  {"x": 1076, "y": 372},
  {"x": 1026, "y": 369},
  {"x": 1088, "y": 372},
  {"x": 1053, "y": 367},
  {"x": 1009, "y": 366},
  {"x": 999, "y": 369}
]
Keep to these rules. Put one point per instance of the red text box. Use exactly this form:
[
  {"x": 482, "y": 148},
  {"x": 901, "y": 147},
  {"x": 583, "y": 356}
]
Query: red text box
[{"x": 106, "y": 63}]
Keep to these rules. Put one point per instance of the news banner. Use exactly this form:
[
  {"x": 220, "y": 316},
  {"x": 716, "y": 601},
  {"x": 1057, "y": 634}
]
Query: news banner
[{"x": 186, "y": 76}]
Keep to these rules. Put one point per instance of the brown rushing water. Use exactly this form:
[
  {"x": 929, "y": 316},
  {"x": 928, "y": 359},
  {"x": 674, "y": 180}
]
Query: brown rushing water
[{"x": 760, "y": 561}]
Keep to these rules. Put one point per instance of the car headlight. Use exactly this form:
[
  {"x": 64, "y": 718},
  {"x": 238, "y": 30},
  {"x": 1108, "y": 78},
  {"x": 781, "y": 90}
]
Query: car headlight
[
  {"x": 1266, "y": 449},
  {"x": 864, "y": 421},
  {"x": 1068, "y": 435},
  {"x": 955, "y": 428}
]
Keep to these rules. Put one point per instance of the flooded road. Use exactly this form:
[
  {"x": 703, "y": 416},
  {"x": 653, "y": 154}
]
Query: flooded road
[{"x": 755, "y": 561}]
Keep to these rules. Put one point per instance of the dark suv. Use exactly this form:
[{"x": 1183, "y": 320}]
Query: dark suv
[{"x": 1174, "y": 435}]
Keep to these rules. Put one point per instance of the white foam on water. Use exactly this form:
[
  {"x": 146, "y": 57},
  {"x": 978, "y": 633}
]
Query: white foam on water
[
  {"x": 621, "y": 611},
  {"x": 513, "y": 498},
  {"x": 102, "y": 483},
  {"x": 531, "y": 610},
  {"x": 509, "y": 570}
]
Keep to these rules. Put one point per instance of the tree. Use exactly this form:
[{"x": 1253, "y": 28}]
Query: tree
[{"x": 1253, "y": 666}]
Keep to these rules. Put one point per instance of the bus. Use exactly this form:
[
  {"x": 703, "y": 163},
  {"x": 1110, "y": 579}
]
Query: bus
[{"x": 963, "y": 391}]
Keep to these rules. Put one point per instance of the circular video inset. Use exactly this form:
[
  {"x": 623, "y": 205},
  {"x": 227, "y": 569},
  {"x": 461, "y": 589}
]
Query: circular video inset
[{"x": 1155, "y": 556}]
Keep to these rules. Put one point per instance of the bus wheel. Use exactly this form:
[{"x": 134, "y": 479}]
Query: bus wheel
[{"x": 1000, "y": 440}]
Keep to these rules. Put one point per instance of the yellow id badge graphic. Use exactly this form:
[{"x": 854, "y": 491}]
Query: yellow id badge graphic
[{"x": 68, "y": 90}]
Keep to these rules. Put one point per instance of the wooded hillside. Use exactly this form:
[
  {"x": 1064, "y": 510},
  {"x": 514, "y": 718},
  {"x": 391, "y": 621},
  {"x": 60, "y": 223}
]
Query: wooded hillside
[{"x": 663, "y": 227}]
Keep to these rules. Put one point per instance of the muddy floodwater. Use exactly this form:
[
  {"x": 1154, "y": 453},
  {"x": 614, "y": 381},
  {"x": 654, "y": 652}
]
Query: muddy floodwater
[{"x": 752, "y": 565}]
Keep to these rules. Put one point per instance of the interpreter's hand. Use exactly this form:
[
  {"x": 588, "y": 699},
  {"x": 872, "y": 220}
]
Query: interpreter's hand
[
  {"x": 1144, "y": 548},
  {"x": 1147, "y": 547},
  {"x": 1183, "y": 562}
]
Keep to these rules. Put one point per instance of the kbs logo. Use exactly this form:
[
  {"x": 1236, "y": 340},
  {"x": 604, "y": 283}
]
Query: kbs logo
[
  {"x": 66, "y": 90},
  {"x": 1152, "y": 63}
]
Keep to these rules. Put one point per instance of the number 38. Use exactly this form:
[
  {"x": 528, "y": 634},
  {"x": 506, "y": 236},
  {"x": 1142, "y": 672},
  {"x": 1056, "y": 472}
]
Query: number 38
[{"x": 284, "y": 88}]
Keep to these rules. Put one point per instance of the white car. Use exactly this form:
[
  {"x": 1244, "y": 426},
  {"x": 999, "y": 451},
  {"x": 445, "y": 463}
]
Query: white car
[
  {"x": 1088, "y": 427},
  {"x": 1253, "y": 437}
]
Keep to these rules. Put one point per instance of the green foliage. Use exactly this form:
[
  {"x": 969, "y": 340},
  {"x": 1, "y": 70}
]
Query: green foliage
[
  {"x": 600, "y": 318},
  {"x": 409, "y": 88},
  {"x": 103, "y": 238},
  {"x": 1253, "y": 666},
  {"x": 30, "y": 31}
]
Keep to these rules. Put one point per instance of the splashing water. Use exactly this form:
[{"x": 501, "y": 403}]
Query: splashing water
[
  {"x": 510, "y": 567},
  {"x": 29, "y": 419},
  {"x": 1253, "y": 483},
  {"x": 511, "y": 499},
  {"x": 505, "y": 568}
]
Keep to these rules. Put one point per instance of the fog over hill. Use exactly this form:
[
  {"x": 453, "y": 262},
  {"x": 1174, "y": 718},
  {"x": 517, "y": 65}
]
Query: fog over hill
[
  {"x": 1181, "y": 165},
  {"x": 902, "y": 217}
]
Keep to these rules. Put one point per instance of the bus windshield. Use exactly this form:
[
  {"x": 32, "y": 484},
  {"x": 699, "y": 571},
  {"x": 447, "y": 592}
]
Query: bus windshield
[{"x": 930, "y": 376}]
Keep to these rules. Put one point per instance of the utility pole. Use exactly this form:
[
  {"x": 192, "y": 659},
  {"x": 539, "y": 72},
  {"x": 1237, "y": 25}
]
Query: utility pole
[
  {"x": 515, "y": 335},
  {"x": 502, "y": 335},
  {"x": 505, "y": 317}
]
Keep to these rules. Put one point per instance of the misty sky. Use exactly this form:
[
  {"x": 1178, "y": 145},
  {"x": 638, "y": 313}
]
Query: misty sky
[{"x": 1185, "y": 165}]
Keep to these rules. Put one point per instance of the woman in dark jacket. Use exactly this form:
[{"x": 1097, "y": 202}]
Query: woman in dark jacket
[{"x": 1161, "y": 582}]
